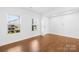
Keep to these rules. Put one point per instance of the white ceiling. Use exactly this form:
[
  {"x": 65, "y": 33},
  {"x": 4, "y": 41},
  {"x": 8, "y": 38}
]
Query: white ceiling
[
  {"x": 41, "y": 10},
  {"x": 47, "y": 11}
]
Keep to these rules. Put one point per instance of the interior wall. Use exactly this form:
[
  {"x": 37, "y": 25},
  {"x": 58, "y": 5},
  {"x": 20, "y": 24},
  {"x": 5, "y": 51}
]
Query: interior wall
[
  {"x": 45, "y": 25},
  {"x": 26, "y": 25},
  {"x": 66, "y": 25}
]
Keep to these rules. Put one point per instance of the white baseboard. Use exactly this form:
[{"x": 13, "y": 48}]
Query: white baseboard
[{"x": 71, "y": 36}]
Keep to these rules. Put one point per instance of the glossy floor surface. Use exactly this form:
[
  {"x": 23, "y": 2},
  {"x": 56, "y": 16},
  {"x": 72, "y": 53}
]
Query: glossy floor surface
[{"x": 46, "y": 43}]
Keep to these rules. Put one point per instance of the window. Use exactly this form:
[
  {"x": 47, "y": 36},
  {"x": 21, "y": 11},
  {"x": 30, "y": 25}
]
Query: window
[
  {"x": 13, "y": 24},
  {"x": 34, "y": 24}
]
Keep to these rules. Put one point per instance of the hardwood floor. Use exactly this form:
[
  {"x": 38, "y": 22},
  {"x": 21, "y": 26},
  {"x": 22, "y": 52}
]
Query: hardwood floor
[{"x": 46, "y": 43}]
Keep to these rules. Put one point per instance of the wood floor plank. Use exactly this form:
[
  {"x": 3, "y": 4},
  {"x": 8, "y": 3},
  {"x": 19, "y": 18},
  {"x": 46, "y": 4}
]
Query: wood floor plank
[{"x": 46, "y": 43}]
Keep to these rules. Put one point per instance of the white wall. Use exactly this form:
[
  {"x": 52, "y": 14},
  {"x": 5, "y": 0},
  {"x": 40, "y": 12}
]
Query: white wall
[
  {"x": 45, "y": 25},
  {"x": 26, "y": 25},
  {"x": 66, "y": 25}
]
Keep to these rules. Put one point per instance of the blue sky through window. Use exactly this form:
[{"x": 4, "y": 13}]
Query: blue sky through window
[{"x": 12, "y": 18}]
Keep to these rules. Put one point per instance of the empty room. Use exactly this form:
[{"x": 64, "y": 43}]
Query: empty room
[{"x": 39, "y": 29}]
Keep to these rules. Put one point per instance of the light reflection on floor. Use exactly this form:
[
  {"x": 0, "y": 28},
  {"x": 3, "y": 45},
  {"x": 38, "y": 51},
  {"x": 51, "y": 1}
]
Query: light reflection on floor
[
  {"x": 15, "y": 49},
  {"x": 34, "y": 47}
]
